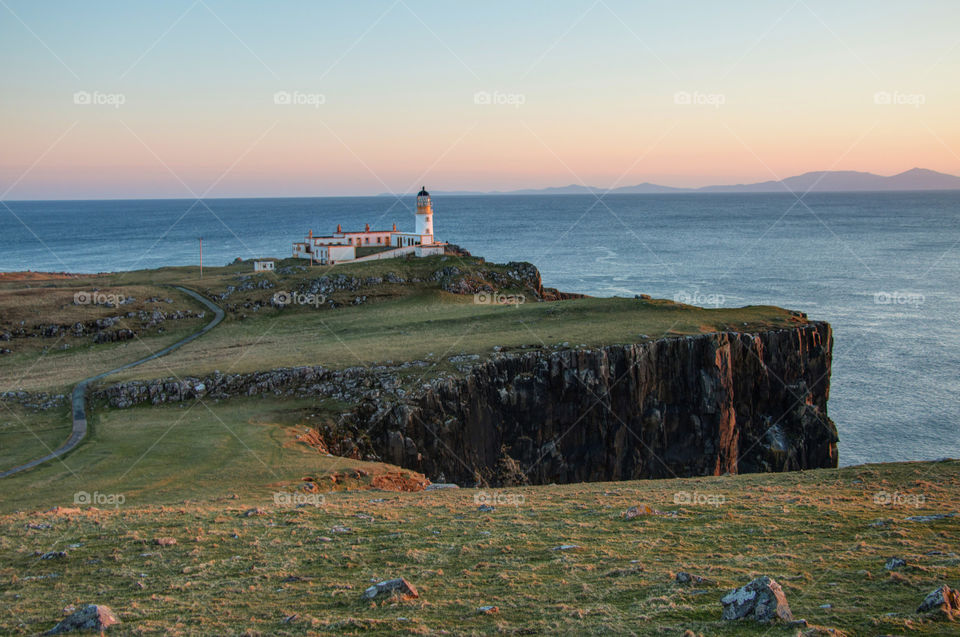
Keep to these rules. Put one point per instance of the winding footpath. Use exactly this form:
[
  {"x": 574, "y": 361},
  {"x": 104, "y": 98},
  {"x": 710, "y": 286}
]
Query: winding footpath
[{"x": 79, "y": 395}]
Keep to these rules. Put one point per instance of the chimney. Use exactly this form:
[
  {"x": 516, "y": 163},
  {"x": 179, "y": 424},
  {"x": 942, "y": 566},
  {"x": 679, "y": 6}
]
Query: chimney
[
  {"x": 339, "y": 229},
  {"x": 367, "y": 229}
]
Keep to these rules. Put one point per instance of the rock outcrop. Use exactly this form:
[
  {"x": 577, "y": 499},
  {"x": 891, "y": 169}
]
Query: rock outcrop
[
  {"x": 761, "y": 600},
  {"x": 90, "y": 618},
  {"x": 688, "y": 406},
  {"x": 352, "y": 384},
  {"x": 943, "y": 602}
]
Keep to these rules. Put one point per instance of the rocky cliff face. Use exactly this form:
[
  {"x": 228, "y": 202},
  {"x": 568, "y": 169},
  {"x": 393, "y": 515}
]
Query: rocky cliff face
[
  {"x": 699, "y": 405},
  {"x": 686, "y": 406}
]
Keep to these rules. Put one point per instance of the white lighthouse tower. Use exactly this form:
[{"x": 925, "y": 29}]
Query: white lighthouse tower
[{"x": 424, "y": 216}]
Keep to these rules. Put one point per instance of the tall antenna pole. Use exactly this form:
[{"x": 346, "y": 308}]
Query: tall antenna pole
[{"x": 201, "y": 257}]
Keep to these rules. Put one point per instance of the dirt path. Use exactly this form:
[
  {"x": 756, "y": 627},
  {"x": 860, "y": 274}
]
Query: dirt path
[{"x": 79, "y": 395}]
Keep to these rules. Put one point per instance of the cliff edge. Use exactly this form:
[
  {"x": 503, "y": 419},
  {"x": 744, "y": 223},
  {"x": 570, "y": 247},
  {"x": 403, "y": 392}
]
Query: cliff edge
[{"x": 697, "y": 405}]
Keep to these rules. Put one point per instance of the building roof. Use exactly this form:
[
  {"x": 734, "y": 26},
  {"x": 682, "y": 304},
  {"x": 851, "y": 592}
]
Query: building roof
[{"x": 423, "y": 192}]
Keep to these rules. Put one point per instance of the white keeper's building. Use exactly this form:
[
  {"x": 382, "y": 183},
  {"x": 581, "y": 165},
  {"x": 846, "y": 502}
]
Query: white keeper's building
[{"x": 343, "y": 246}]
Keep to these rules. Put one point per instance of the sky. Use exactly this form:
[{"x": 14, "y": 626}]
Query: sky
[{"x": 191, "y": 98}]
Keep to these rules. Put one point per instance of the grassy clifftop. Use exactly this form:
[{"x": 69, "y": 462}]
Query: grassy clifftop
[
  {"x": 351, "y": 314},
  {"x": 825, "y": 535}
]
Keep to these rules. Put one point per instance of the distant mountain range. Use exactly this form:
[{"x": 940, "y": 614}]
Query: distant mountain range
[{"x": 819, "y": 181}]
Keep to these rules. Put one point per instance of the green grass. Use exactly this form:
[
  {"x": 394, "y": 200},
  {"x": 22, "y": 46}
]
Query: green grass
[
  {"x": 230, "y": 574},
  {"x": 435, "y": 325},
  {"x": 415, "y": 320},
  {"x": 167, "y": 453},
  {"x": 26, "y": 434}
]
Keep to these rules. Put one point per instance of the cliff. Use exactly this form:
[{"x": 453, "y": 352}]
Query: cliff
[
  {"x": 697, "y": 405},
  {"x": 684, "y": 406}
]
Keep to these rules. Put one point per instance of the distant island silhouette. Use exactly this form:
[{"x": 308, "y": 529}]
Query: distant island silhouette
[{"x": 817, "y": 181}]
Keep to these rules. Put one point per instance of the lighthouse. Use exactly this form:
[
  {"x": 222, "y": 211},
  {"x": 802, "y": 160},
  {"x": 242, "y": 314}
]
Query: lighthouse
[
  {"x": 370, "y": 244},
  {"x": 424, "y": 216}
]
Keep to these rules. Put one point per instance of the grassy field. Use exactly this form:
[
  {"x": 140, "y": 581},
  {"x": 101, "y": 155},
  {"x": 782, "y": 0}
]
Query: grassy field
[
  {"x": 435, "y": 325},
  {"x": 298, "y": 571},
  {"x": 398, "y": 321},
  {"x": 27, "y": 433},
  {"x": 54, "y": 364},
  {"x": 165, "y": 454}
]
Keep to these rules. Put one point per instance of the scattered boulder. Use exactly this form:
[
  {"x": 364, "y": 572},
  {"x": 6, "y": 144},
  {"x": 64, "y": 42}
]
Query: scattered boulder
[
  {"x": 437, "y": 486},
  {"x": 894, "y": 563},
  {"x": 54, "y": 555},
  {"x": 943, "y": 601},
  {"x": 637, "y": 511},
  {"x": 930, "y": 518},
  {"x": 249, "y": 513},
  {"x": 485, "y": 508},
  {"x": 488, "y": 610},
  {"x": 92, "y": 617},
  {"x": 399, "y": 585},
  {"x": 686, "y": 578},
  {"x": 762, "y": 600},
  {"x": 566, "y": 547}
]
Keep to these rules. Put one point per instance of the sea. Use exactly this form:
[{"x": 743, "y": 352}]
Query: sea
[{"x": 882, "y": 268}]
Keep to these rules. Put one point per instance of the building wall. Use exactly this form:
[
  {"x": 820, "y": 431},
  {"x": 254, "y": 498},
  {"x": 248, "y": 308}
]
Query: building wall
[
  {"x": 336, "y": 254},
  {"x": 430, "y": 250}
]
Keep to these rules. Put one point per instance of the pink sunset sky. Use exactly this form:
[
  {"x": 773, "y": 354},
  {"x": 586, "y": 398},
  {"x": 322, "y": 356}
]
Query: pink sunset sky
[{"x": 216, "y": 99}]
